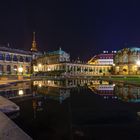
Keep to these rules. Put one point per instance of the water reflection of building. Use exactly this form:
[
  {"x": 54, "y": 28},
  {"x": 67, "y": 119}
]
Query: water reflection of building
[
  {"x": 104, "y": 89},
  {"x": 37, "y": 105},
  {"x": 127, "y": 93},
  {"x": 59, "y": 89},
  {"x": 16, "y": 91},
  {"x": 65, "y": 83},
  {"x": 49, "y": 90}
]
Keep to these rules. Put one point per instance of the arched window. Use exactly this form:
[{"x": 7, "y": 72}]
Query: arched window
[
  {"x": 1, "y": 69},
  {"x": 15, "y": 58},
  {"x": 1, "y": 56},
  {"x": 15, "y": 69},
  {"x": 28, "y": 59},
  {"x": 27, "y": 70},
  {"x": 21, "y": 59},
  {"x": 8, "y": 57},
  {"x": 8, "y": 69}
]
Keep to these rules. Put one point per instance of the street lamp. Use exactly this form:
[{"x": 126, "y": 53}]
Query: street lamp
[
  {"x": 20, "y": 69},
  {"x": 138, "y": 62}
]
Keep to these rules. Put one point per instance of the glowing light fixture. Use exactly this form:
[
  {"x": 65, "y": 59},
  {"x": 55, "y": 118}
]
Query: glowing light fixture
[
  {"x": 39, "y": 65},
  {"x": 20, "y": 92},
  {"x": 40, "y": 85},
  {"x": 20, "y": 69},
  {"x": 113, "y": 85},
  {"x": 138, "y": 62}
]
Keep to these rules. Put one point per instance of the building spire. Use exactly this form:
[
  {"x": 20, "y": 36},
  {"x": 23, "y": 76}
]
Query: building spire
[{"x": 34, "y": 46}]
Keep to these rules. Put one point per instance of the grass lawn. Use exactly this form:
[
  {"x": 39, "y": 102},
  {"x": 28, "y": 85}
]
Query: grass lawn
[{"x": 126, "y": 79}]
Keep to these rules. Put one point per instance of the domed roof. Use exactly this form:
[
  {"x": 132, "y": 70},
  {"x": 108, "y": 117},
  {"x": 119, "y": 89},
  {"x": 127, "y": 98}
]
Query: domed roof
[
  {"x": 134, "y": 49},
  {"x": 58, "y": 52}
]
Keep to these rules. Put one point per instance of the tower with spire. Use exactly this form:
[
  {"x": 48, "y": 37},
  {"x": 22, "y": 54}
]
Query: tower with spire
[{"x": 34, "y": 45}]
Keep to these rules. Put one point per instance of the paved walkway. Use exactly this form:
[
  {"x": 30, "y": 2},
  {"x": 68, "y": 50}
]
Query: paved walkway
[
  {"x": 7, "y": 106},
  {"x": 6, "y": 82},
  {"x": 10, "y": 131}
]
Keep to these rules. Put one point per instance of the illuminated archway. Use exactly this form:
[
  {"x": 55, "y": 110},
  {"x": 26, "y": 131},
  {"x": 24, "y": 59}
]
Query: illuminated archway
[{"x": 125, "y": 69}]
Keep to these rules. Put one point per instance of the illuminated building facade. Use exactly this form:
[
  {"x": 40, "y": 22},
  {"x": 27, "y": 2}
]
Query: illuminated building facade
[
  {"x": 127, "y": 61},
  {"x": 103, "y": 59},
  {"x": 58, "y": 63},
  {"x": 17, "y": 61},
  {"x": 54, "y": 57},
  {"x": 14, "y": 61}
]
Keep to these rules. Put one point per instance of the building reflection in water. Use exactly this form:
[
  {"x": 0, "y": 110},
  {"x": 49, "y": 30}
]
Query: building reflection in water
[
  {"x": 17, "y": 90},
  {"x": 60, "y": 90},
  {"x": 64, "y": 106},
  {"x": 55, "y": 90},
  {"x": 20, "y": 92},
  {"x": 103, "y": 88},
  {"x": 127, "y": 93}
]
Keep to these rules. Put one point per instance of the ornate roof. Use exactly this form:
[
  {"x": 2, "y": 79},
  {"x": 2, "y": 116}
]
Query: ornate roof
[
  {"x": 7, "y": 49},
  {"x": 129, "y": 50},
  {"x": 134, "y": 49},
  {"x": 58, "y": 52}
]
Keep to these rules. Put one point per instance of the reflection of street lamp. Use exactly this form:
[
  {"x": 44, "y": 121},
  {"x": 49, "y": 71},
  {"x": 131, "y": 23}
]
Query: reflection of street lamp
[
  {"x": 40, "y": 85},
  {"x": 20, "y": 92}
]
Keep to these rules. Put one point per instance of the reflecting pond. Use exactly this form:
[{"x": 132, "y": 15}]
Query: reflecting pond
[{"x": 76, "y": 109}]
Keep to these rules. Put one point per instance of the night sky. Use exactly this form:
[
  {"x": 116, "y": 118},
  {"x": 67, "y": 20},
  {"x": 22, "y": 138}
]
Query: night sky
[{"x": 82, "y": 28}]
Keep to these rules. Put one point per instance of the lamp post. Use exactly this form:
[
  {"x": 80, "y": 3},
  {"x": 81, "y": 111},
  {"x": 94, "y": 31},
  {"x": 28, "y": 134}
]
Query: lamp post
[
  {"x": 138, "y": 62},
  {"x": 20, "y": 70}
]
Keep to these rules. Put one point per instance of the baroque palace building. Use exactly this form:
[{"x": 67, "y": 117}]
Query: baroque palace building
[
  {"x": 17, "y": 61},
  {"x": 14, "y": 61},
  {"x": 58, "y": 63},
  {"x": 127, "y": 61}
]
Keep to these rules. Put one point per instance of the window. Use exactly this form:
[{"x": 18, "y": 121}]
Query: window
[
  {"x": 1, "y": 69},
  {"x": 8, "y": 69},
  {"x": 21, "y": 59},
  {"x": 15, "y": 58},
  {"x": 1, "y": 56},
  {"x": 8, "y": 57}
]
